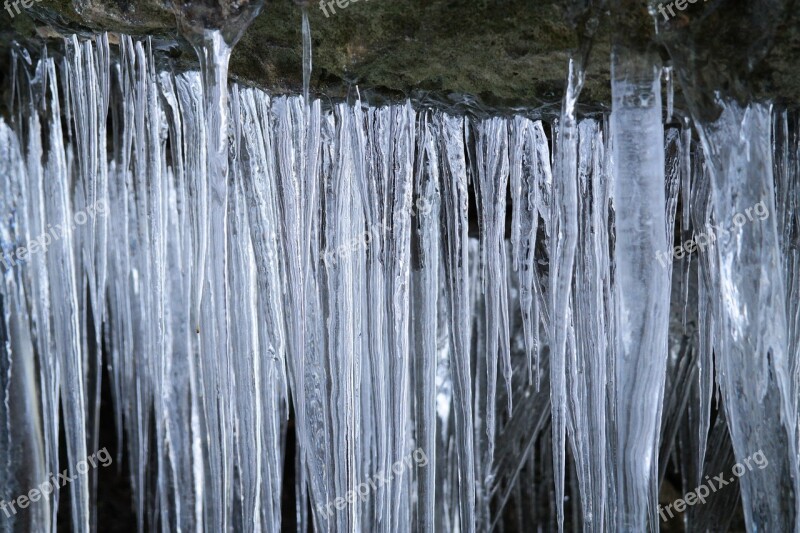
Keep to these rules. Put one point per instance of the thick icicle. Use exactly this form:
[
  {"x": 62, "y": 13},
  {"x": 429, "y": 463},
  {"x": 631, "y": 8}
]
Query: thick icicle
[
  {"x": 39, "y": 290},
  {"x": 23, "y": 452},
  {"x": 642, "y": 284},
  {"x": 753, "y": 364}
]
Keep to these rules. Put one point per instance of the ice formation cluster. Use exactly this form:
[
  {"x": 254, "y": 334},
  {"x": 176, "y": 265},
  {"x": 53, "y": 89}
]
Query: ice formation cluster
[{"x": 462, "y": 322}]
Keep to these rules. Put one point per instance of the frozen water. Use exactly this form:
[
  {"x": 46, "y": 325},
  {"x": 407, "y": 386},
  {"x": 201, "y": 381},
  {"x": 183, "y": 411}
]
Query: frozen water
[
  {"x": 248, "y": 265},
  {"x": 641, "y": 285}
]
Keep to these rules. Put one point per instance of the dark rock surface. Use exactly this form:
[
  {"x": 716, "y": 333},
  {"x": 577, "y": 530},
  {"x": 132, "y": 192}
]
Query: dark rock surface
[{"x": 505, "y": 53}]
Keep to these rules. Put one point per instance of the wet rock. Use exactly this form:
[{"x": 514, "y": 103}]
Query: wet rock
[{"x": 503, "y": 53}]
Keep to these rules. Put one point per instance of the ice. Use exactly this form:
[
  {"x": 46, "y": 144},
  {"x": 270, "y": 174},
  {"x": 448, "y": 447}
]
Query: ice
[
  {"x": 642, "y": 285},
  {"x": 26, "y": 451},
  {"x": 754, "y": 364},
  {"x": 456, "y": 260},
  {"x": 530, "y": 171},
  {"x": 563, "y": 232},
  {"x": 65, "y": 309},
  {"x": 425, "y": 288},
  {"x": 290, "y": 295},
  {"x": 590, "y": 349},
  {"x": 307, "y": 61},
  {"x": 669, "y": 83},
  {"x": 492, "y": 176}
]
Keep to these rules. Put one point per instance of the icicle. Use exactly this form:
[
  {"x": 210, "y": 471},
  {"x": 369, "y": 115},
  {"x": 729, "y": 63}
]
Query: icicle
[
  {"x": 256, "y": 165},
  {"x": 642, "y": 290},
  {"x": 672, "y": 181},
  {"x": 754, "y": 365},
  {"x": 306, "y": 30},
  {"x": 786, "y": 146},
  {"x": 530, "y": 165},
  {"x": 588, "y": 351},
  {"x": 39, "y": 292},
  {"x": 247, "y": 366},
  {"x": 454, "y": 181},
  {"x": 400, "y": 181},
  {"x": 492, "y": 176},
  {"x": 213, "y": 298},
  {"x": 563, "y": 231},
  {"x": 146, "y": 166},
  {"x": 425, "y": 284},
  {"x": 23, "y": 452},
  {"x": 89, "y": 66},
  {"x": 297, "y": 130},
  {"x": 702, "y": 218},
  {"x": 686, "y": 210},
  {"x": 61, "y": 262},
  {"x": 668, "y": 80},
  {"x": 686, "y": 177}
]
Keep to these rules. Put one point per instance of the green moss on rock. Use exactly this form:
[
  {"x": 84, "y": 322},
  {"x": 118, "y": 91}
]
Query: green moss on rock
[{"x": 507, "y": 53}]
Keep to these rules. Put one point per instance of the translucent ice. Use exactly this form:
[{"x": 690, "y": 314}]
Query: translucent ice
[{"x": 384, "y": 284}]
